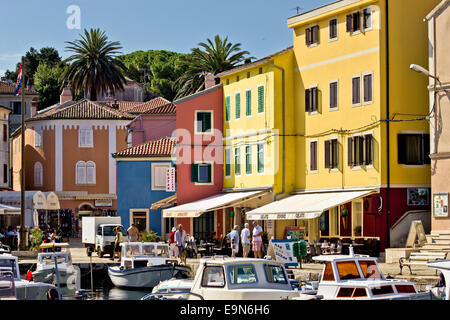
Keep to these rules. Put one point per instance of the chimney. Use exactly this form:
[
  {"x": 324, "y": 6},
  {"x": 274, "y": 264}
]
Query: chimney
[
  {"x": 210, "y": 80},
  {"x": 66, "y": 95}
]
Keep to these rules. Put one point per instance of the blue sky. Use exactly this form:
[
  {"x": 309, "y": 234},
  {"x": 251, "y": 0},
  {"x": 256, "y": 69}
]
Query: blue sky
[{"x": 177, "y": 25}]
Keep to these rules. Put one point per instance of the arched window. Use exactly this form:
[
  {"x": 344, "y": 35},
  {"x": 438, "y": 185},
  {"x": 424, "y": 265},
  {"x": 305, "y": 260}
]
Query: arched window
[
  {"x": 38, "y": 174},
  {"x": 85, "y": 172}
]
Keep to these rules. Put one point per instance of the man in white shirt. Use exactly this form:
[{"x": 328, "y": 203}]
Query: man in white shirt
[
  {"x": 180, "y": 239},
  {"x": 234, "y": 237},
  {"x": 245, "y": 239},
  {"x": 257, "y": 239}
]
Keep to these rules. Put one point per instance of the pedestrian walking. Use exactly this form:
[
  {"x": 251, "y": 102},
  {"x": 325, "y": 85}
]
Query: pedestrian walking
[
  {"x": 245, "y": 240},
  {"x": 118, "y": 241},
  {"x": 133, "y": 233},
  {"x": 173, "y": 249},
  {"x": 180, "y": 239},
  {"x": 257, "y": 239},
  {"x": 234, "y": 238}
]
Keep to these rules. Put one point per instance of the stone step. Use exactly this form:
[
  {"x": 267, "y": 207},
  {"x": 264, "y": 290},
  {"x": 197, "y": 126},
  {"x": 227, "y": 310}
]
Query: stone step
[
  {"x": 435, "y": 246},
  {"x": 442, "y": 241},
  {"x": 440, "y": 232}
]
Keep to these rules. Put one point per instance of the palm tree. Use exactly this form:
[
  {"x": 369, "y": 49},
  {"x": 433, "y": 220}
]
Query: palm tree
[
  {"x": 216, "y": 57},
  {"x": 93, "y": 67}
]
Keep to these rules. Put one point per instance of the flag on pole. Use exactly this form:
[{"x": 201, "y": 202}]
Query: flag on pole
[{"x": 19, "y": 82}]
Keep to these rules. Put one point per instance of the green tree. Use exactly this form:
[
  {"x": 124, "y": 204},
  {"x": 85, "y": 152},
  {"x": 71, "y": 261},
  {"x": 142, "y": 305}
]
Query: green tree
[
  {"x": 93, "y": 67},
  {"x": 47, "y": 81},
  {"x": 211, "y": 57}
]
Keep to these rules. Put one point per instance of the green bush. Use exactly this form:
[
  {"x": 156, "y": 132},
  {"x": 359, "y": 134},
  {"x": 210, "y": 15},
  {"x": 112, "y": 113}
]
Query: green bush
[
  {"x": 149, "y": 236},
  {"x": 35, "y": 238}
]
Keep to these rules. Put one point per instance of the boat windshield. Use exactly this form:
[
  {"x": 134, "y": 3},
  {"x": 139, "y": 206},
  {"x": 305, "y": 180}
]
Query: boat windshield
[
  {"x": 9, "y": 265},
  {"x": 148, "y": 250},
  {"x": 242, "y": 274},
  {"x": 370, "y": 269},
  {"x": 133, "y": 250},
  {"x": 348, "y": 270},
  {"x": 50, "y": 260},
  {"x": 275, "y": 274},
  {"x": 163, "y": 251}
]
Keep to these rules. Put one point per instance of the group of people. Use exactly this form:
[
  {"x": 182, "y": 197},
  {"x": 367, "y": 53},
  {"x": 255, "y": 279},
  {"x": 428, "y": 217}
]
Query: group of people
[
  {"x": 9, "y": 237},
  {"x": 253, "y": 239}
]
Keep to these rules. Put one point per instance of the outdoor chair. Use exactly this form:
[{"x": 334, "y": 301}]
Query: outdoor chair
[
  {"x": 339, "y": 248},
  {"x": 333, "y": 248},
  {"x": 201, "y": 249}
]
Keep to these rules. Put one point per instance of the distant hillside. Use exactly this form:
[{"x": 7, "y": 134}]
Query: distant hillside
[{"x": 163, "y": 68}]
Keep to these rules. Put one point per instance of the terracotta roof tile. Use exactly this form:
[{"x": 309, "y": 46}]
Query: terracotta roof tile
[
  {"x": 149, "y": 105},
  {"x": 83, "y": 109},
  {"x": 7, "y": 88},
  {"x": 162, "y": 147},
  {"x": 124, "y": 106}
]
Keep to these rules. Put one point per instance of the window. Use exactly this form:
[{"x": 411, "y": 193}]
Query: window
[
  {"x": 242, "y": 274},
  {"x": 260, "y": 99},
  {"x": 354, "y": 22},
  {"x": 360, "y": 150},
  {"x": 414, "y": 149},
  {"x": 367, "y": 19},
  {"x": 312, "y": 35},
  {"x": 201, "y": 172},
  {"x": 237, "y": 161},
  {"x": 203, "y": 122},
  {"x": 213, "y": 277},
  {"x": 356, "y": 90},
  {"x": 332, "y": 25},
  {"x": 331, "y": 154},
  {"x": 260, "y": 157},
  {"x": 85, "y": 173},
  {"x": 238, "y": 105},
  {"x": 313, "y": 156},
  {"x": 38, "y": 174},
  {"x": 227, "y": 108},
  {"x": 37, "y": 138},
  {"x": 275, "y": 274},
  {"x": 348, "y": 270},
  {"x": 85, "y": 139},
  {"x": 5, "y": 132},
  {"x": 328, "y": 275},
  {"x": 333, "y": 95},
  {"x": 248, "y": 103},
  {"x": 370, "y": 269},
  {"x": 377, "y": 291},
  {"x": 248, "y": 159},
  {"x": 227, "y": 162},
  {"x": 367, "y": 88},
  {"x": 16, "y": 107},
  {"x": 5, "y": 173},
  {"x": 311, "y": 100}
]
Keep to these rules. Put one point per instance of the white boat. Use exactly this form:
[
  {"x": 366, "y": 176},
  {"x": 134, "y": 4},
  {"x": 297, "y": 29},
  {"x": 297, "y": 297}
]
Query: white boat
[
  {"x": 26, "y": 290},
  {"x": 144, "y": 265},
  {"x": 443, "y": 291},
  {"x": 69, "y": 275},
  {"x": 358, "y": 277},
  {"x": 7, "y": 286},
  {"x": 173, "y": 289}
]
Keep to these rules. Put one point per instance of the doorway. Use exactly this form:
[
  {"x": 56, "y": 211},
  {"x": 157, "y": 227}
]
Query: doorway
[
  {"x": 139, "y": 218},
  {"x": 203, "y": 226}
]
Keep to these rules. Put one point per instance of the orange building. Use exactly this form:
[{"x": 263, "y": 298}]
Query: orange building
[{"x": 68, "y": 150}]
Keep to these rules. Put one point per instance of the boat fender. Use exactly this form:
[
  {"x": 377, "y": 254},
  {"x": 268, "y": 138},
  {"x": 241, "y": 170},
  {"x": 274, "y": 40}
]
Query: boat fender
[{"x": 29, "y": 276}]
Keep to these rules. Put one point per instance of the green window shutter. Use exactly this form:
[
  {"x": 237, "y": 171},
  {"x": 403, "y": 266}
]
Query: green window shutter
[
  {"x": 261, "y": 99},
  {"x": 227, "y": 109},
  {"x": 238, "y": 105},
  {"x": 194, "y": 172},
  {"x": 237, "y": 161},
  {"x": 209, "y": 173},
  {"x": 248, "y": 103},
  {"x": 207, "y": 121},
  {"x": 248, "y": 160},
  {"x": 227, "y": 162},
  {"x": 260, "y": 158}
]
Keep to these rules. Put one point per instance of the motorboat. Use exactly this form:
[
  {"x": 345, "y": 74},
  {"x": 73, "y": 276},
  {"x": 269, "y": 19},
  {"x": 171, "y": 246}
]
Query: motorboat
[
  {"x": 7, "y": 286},
  {"x": 173, "y": 289},
  {"x": 26, "y": 290},
  {"x": 442, "y": 291},
  {"x": 144, "y": 265},
  {"x": 359, "y": 277},
  {"x": 69, "y": 275},
  {"x": 225, "y": 278}
]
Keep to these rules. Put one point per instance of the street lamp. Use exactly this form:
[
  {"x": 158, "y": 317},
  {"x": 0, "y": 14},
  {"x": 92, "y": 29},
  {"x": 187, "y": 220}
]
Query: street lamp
[{"x": 422, "y": 70}]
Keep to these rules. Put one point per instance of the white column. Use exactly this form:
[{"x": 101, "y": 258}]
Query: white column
[
  {"x": 112, "y": 137},
  {"x": 59, "y": 157}
]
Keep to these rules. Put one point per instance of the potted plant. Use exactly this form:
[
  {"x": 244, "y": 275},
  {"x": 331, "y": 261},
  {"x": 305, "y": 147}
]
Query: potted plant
[{"x": 357, "y": 230}]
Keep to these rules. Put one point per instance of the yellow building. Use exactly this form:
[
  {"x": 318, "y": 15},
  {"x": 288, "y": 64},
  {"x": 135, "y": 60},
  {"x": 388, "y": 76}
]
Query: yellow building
[
  {"x": 351, "y": 75},
  {"x": 258, "y": 127}
]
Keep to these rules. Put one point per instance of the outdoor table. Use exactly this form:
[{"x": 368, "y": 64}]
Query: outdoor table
[{"x": 209, "y": 248}]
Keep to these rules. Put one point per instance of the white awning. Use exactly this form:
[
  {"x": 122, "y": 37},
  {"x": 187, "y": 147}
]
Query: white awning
[
  {"x": 8, "y": 210},
  {"x": 304, "y": 206},
  {"x": 197, "y": 208}
]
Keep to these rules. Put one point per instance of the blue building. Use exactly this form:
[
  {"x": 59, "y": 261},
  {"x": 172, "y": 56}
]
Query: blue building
[{"x": 143, "y": 178}]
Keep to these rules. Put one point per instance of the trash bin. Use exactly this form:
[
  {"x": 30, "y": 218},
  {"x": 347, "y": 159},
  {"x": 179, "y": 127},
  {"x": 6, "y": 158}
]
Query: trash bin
[{"x": 300, "y": 250}]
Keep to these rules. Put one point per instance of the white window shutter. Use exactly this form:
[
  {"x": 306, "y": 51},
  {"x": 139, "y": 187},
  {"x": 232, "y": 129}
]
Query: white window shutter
[
  {"x": 90, "y": 173},
  {"x": 160, "y": 177},
  {"x": 81, "y": 173},
  {"x": 89, "y": 137}
]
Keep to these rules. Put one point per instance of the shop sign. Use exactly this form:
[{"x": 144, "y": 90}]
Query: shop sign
[
  {"x": 418, "y": 197},
  {"x": 440, "y": 205},
  {"x": 103, "y": 203},
  {"x": 170, "y": 180},
  {"x": 282, "y": 251}
]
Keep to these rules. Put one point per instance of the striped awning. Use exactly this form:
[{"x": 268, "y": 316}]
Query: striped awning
[{"x": 164, "y": 203}]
